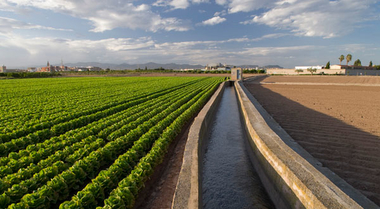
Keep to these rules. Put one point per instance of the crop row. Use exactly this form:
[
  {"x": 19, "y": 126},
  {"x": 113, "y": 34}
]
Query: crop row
[
  {"x": 35, "y": 153},
  {"x": 105, "y": 126},
  {"x": 79, "y": 155},
  {"x": 126, "y": 191},
  {"x": 61, "y": 125},
  {"x": 69, "y": 106}
]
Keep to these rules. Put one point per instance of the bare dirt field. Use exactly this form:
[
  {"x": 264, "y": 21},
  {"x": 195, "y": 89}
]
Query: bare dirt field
[
  {"x": 338, "y": 124},
  {"x": 325, "y": 79}
]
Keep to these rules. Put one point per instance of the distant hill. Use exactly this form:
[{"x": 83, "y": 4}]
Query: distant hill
[
  {"x": 152, "y": 65},
  {"x": 272, "y": 66},
  {"x": 123, "y": 66},
  {"x": 248, "y": 66}
]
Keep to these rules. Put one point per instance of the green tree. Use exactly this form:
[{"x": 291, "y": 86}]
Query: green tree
[
  {"x": 298, "y": 71},
  {"x": 348, "y": 58},
  {"x": 312, "y": 70},
  {"x": 341, "y": 58},
  {"x": 357, "y": 62},
  {"x": 327, "y": 65},
  {"x": 370, "y": 64}
]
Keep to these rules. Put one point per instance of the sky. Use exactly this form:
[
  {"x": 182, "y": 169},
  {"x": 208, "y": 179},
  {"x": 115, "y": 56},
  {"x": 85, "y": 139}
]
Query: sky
[{"x": 288, "y": 33}]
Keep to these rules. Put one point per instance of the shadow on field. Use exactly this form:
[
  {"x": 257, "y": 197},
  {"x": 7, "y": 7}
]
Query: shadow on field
[{"x": 346, "y": 150}]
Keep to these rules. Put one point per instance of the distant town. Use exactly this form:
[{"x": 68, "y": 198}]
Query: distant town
[
  {"x": 63, "y": 68},
  {"x": 356, "y": 69},
  {"x": 50, "y": 68}
]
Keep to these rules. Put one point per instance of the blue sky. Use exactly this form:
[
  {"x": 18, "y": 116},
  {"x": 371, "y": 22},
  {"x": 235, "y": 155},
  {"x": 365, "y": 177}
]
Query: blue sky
[{"x": 262, "y": 32}]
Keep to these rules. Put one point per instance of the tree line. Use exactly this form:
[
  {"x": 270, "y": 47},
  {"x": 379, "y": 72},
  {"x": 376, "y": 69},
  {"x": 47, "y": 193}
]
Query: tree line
[
  {"x": 348, "y": 58},
  {"x": 29, "y": 74}
]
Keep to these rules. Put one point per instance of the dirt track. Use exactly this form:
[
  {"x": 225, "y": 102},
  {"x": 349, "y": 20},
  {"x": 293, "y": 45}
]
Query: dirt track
[{"x": 338, "y": 125}]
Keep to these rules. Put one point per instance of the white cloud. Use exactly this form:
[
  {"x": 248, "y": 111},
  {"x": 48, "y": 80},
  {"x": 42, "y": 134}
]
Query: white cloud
[
  {"x": 108, "y": 15},
  {"x": 235, "y": 6},
  {"x": 192, "y": 52},
  {"x": 36, "y": 51},
  {"x": 4, "y": 6},
  {"x": 265, "y": 51},
  {"x": 7, "y": 25},
  {"x": 238, "y": 40},
  {"x": 247, "y": 5},
  {"x": 161, "y": 3},
  {"x": 270, "y": 36},
  {"x": 118, "y": 49},
  {"x": 111, "y": 44},
  {"x": 221, "y": 13},
  {"x": 186, "y": 45},
  {"x": 200, "y": 1},
  {"x": 221, "y": 2},
  {"x": 179, "y": 4},
  {"x": 214, "y": 21},
  {"x": 322, "y": 18}
]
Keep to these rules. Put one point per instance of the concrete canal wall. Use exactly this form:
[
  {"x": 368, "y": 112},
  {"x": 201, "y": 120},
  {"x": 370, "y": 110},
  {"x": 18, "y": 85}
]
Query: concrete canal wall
[
  {"x": 292, "y": 178},
  {"x": 188, "y": 191},
  {"x": 286, "y": 170}
]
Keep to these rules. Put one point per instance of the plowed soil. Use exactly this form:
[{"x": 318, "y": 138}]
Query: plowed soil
[
  {"x": 338, "y": 124},
  {"x": 326, "y": 79}
]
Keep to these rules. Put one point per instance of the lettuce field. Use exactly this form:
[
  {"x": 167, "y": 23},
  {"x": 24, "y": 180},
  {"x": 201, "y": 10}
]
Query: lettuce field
[{"x": 89, "y": 142}]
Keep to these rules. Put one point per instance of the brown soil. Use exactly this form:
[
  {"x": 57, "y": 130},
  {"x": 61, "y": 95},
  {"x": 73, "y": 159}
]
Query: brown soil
[
  {"x": 338, "y": 125},
  {"x": 326, "y": 79}
]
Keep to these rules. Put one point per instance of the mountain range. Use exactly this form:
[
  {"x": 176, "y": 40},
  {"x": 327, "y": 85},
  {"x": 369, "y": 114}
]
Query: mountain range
[{"x": 151, "y": 65}]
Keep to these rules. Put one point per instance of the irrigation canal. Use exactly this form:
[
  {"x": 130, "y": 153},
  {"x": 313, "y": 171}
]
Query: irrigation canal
[{"x": 229, "y": 179}]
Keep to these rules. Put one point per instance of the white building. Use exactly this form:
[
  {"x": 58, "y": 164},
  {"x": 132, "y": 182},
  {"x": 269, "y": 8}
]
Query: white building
[
  {"x": 88, "y": 68},
  {"x": 31, "y": 69},
  {"x": 318, "y": 67}
]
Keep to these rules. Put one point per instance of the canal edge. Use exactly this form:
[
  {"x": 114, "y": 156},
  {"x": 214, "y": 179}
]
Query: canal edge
[
  {"x": 290, "y": 179},
  {"x": 291, "y": 176},
  {"x": 188, "y": 190}
]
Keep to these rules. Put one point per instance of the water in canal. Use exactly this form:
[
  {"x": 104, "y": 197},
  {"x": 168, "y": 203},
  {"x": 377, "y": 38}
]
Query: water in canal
[{"x": 229, "y": 179}]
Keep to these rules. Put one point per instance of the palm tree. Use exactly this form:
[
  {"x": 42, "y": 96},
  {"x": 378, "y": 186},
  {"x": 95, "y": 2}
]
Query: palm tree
[
  {"x": 341, "y": 58},
  {"x": 348, "y": 58}
]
